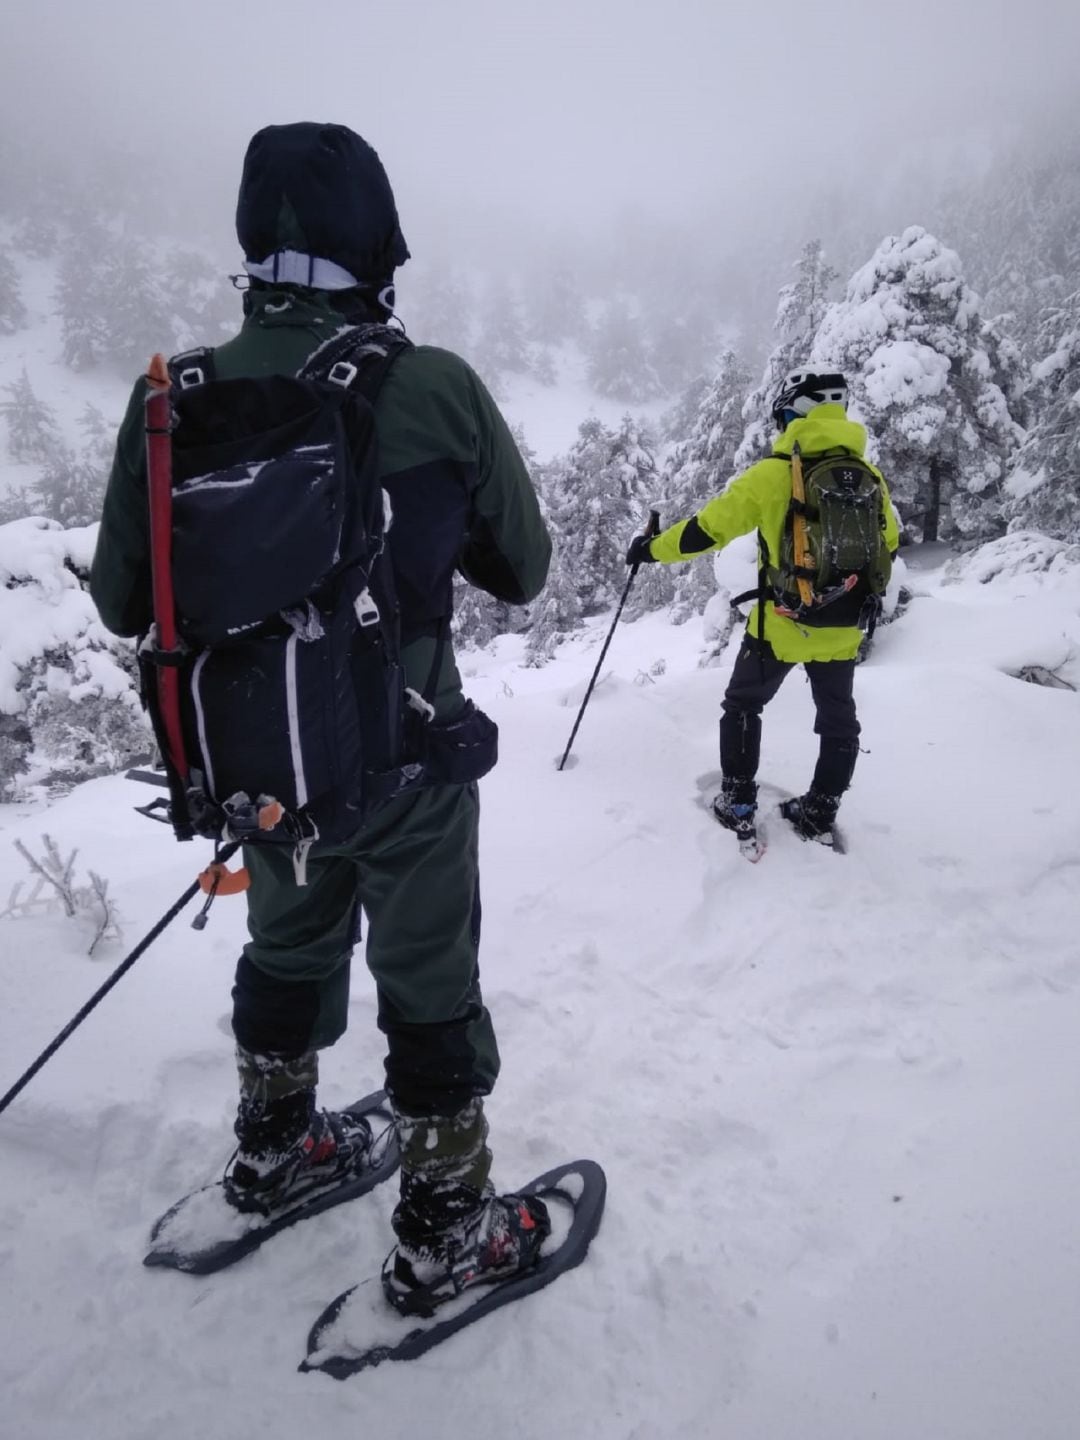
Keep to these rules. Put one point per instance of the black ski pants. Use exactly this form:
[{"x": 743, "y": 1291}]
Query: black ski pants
[{"x": 756, "y": 678}]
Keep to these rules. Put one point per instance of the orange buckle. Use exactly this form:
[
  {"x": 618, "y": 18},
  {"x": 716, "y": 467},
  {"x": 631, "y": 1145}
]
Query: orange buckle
[{"x": 270, "y": 814}]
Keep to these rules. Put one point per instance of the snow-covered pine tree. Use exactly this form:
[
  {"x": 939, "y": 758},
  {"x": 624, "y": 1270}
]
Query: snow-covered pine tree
[
  {"x": 140, "y": 316},
  {"x": 919, "y": 363},
  {"x": 701, "y": 467},
  {"x": 800, "y": 309},
  {"x": 201, "y": 304},
  {"x": 81, "y": 299},
  {"x": 71, "y": 487},
  {"x": 501, "y": 348},
  {"x": 12, "y": 309},
  {"x": 555, "y": 615},
  {"x": 31, "y": 423},
  {"x": 554, "y": 306},
  {"x": 114, "y": 300},
  {"x": 619, "y": 364},
  {"x": 678, "y": 420},
  {"x": 598, "y": 496},
  {"x": 542, "y": 364},
  {"x": 478, "y": 617},
  {"x": 681, "y": 342},
  {"x": 36, "y": 236},
  {"x": 1019, "y": 232},
  {"x": 99, "y": 435},
  {"x": 1044, "y": 486},
  {"x": 440, "y": 310}
]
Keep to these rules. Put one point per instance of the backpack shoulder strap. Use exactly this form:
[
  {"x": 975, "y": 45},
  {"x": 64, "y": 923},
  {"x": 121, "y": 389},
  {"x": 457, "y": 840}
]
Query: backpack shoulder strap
[
  {"x": 358, "y": 357},
  {"x": 192, "y": 367},
  {"x": 825, "y": 459}
]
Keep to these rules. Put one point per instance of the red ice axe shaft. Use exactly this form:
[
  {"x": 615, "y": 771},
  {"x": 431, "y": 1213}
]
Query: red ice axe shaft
[{"x": 159, "y": 474}]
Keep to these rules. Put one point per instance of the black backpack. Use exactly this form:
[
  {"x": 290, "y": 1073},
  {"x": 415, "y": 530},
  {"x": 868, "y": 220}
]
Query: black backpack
[{"x": 294, "y": 720}]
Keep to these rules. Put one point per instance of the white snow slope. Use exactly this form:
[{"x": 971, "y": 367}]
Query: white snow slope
[{"x": 837, "y": 1098}]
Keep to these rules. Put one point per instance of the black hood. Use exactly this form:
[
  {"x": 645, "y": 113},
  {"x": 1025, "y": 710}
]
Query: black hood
[{"x": 320, "y": 190}]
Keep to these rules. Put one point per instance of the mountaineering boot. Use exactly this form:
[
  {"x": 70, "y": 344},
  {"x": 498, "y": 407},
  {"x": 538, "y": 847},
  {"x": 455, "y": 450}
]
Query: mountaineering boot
[
  {"x": 736, "y": 806},
  {"x": 288, "y": 1149},
  {"x": 812, "y": 815},
  {"x": 452, "y": 1230}
]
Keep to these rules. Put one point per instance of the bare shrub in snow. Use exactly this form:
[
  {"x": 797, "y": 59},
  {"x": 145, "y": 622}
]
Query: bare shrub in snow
[
  {"x": 54, "y": 890},
  {"x": 1052, "y": 678}
]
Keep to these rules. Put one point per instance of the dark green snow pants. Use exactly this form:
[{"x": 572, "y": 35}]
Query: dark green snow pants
[{"x": 414, "y": 870}]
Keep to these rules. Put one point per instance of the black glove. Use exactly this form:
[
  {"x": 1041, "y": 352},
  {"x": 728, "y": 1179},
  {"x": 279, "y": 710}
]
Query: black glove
[{"x": 639, "y": 552}]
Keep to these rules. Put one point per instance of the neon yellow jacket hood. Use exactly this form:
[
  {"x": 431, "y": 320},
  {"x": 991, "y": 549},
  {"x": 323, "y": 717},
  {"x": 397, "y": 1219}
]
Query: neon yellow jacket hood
[{"x": 827, "y": 427}]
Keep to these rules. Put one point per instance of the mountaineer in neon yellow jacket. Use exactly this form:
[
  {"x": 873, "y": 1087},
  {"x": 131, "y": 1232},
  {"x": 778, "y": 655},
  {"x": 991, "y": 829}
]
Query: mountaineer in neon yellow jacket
[{"x": 809, "y": 409}]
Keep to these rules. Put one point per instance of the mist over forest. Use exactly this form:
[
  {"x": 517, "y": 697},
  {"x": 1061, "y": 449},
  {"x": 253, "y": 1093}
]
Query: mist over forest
[
  {"x": 834, "y": 1090},
  {"x": 631, "y": 225}
]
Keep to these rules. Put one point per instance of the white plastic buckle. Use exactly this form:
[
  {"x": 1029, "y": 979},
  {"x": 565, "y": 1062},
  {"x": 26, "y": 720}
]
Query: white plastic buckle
[
  {"x": 191, "y": 376},
  {"x": 343, "y": 373},
  {"x": 367, "y": 612}
]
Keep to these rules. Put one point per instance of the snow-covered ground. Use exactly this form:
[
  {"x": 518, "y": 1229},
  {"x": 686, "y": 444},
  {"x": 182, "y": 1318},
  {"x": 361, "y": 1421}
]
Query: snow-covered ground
[{"x": 836, "y": 1097}]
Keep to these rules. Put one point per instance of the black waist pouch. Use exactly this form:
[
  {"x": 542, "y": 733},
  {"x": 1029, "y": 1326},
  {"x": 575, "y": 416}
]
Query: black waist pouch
[{"x": 460, "y": 750}]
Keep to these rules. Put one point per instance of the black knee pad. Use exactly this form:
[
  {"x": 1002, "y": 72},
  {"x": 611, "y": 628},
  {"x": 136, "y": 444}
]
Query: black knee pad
[{"x": 272, "y": 1016}]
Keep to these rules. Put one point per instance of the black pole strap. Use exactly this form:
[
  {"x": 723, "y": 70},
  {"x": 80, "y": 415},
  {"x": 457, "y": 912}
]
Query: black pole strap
[
  {"x": 99, "y": 995},
  {"x": 653, "y": 529}
]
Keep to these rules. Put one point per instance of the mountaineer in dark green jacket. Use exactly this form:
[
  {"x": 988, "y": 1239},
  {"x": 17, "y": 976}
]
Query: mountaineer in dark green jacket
[
  {"x": 810, "y": 412},
  {"x": 318, "y": 225}
]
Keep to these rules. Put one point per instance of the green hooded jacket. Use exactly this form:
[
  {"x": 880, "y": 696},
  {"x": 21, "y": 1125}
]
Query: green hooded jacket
[
  {"x": 461, "y": 496},
  {"x": 758, "y": 499}
]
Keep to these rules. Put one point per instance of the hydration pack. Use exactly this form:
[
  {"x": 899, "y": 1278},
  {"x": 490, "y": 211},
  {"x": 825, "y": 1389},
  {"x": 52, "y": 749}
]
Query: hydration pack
[
  {"x": 834, "y": 563},
  {"x": 288, "y": 719}
]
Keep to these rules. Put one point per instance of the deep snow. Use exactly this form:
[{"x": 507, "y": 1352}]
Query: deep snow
[{"x": 836, "y": 1097}]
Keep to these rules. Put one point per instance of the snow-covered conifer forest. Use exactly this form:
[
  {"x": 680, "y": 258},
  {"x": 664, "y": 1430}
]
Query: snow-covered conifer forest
[
  {"x": 964, "y": 364},
  {"x": 836, "y": 1096}
]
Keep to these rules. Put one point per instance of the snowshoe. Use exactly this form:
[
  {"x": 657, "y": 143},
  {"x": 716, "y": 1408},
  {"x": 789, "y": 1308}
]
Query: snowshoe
[
  {"x": 359, "y": 1329},
  {"x": 503, "y": 1239},
  {"x": 334, "y": 1147},
  {"x": 207, "y": 1230},
  {"x": 739, "y": 815},
  {"x": 813, "y": 817}
]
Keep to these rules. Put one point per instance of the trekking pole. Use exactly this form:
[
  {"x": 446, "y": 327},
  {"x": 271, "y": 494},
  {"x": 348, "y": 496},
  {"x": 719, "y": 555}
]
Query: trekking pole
[
  {"x": 653, "y": 528},
  {"x": 99, "y": 995}
]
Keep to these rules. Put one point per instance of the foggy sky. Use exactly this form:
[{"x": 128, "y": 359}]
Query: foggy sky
[{"x": 495, "y": 115}]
